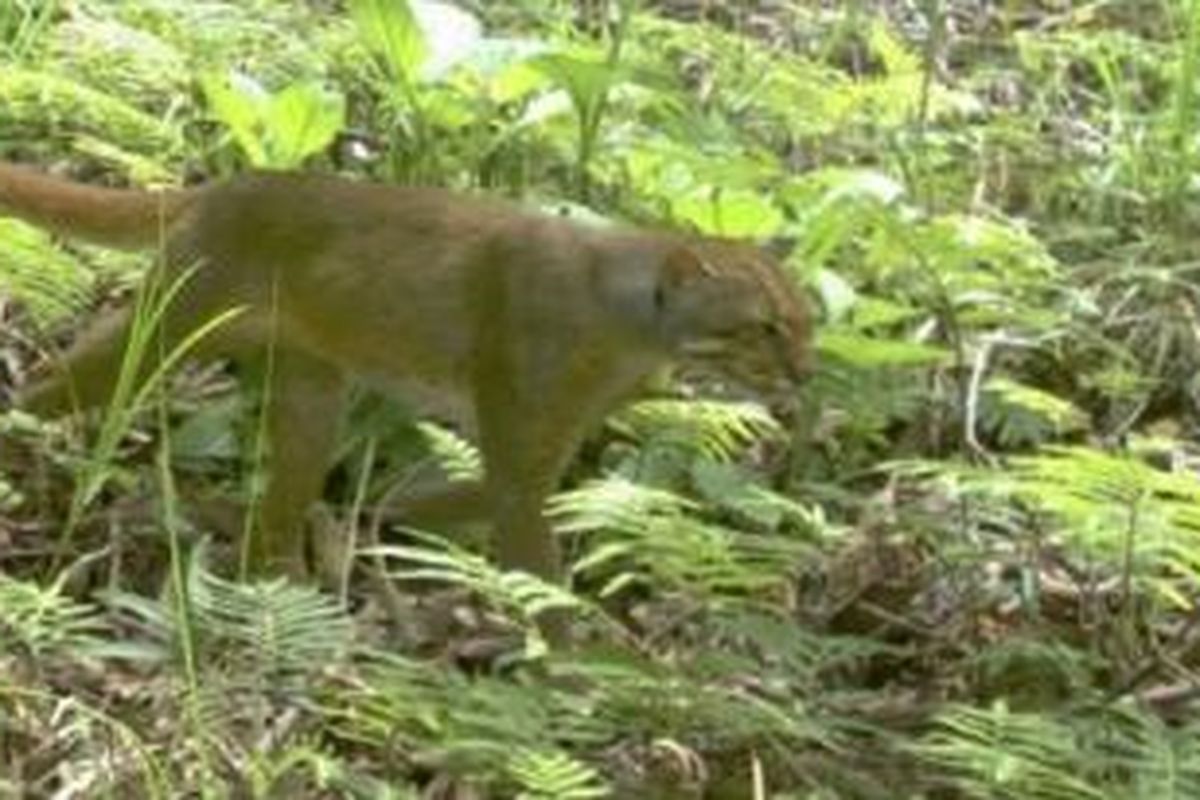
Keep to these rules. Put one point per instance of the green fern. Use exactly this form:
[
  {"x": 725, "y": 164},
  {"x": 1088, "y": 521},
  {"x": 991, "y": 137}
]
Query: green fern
[
  {"x": 1022, "y": 415},
  {"x": 282, "y": 42},
  {"x": 38, "y": 620},
  {"x": 799, "y": 657},
  {"x": 1109, "y": 752},
  {"x": 272, "y": 630},
  {"x": 995, "y": 754},
  {"x": 48, "y": 102},
  {"x": 716, "y": 430},
  {"x": 1120, "y": 510},
  {"x": 468, "y": 726},
  {"x": 458, "y": 458},
  {"x": 687, "y": 699},
  {"x": 738, "y": 489},
  {"x": 656, "y": 538},
  {"x": 1112, "y": 508},
  {"x": 554, "y": 776},
  {"x": 40, "y": 275},
  {"x": 471, "y": 727},
  {"x": 1143, "y": 756},
  {"x": 23, "y": 26},
  {"x": 520, "y": 594},
  {"x": 275, "y": 773},
  {"x": 268, "y": 634},
  {"x": 125, "y": 60}
]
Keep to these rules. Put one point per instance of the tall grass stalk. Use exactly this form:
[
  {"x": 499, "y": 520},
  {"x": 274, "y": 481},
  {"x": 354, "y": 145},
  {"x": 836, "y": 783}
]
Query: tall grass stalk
[
  {"x": 1184, "y": 94},
  {"x": 356, "y": 507},
  {"x": 22, "y": 25},
  {"x": 258, "y": 466},
  {"x": 181, "y": 599},
  {"x": 128, "y": 397},
  {"x": 591, "y": 114}
]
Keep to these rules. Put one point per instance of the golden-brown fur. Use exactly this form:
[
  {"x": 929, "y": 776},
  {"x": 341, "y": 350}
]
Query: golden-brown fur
[{"x": 538, "y": 325}]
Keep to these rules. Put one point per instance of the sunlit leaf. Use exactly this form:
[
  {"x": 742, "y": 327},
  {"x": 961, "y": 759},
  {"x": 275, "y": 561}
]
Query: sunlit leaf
[
  {"x": 390, "y": 29},
  {"x": 238, "y": 101},
  {"x": 302, "y": 120},
  {"x": 738, "y": 213},
  {"x": 863, "y": 351}
]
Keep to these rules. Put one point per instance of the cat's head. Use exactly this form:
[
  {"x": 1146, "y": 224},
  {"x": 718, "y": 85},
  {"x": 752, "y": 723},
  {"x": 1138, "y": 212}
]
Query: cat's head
[{"x": 731, "y": 308}]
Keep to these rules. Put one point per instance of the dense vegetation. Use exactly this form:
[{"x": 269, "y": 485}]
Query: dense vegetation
[{"x": 968, "y": 568}]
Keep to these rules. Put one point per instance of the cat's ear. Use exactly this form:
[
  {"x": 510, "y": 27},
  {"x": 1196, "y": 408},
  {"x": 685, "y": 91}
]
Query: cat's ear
[
  {"x": 681, "y": 269},
  {"x": 695, "y": 300}
]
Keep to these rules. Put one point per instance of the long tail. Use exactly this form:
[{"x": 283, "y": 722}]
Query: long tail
[{"x": 122, "y": 218}]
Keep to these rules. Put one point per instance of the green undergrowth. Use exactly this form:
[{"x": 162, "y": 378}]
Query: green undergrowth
[{"x": 963, "y": 564}]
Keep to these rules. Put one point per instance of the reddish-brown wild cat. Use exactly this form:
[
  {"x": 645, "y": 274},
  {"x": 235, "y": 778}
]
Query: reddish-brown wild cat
[{"x": 538, "y": 324}]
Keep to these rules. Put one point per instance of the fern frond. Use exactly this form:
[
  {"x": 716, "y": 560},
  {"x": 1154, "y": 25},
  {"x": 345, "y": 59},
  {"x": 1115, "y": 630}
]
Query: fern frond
[
  {"x": 270, "y": 632},
  {"x": 736, "y": 488},
  {"x": 127, "y": 61},
  {"x": 273, "y": 630},
  {"x": 711, "y": 428},
  {"x": 636, "y": 697},
  {"x": 799, "y": 654},
  {"x": 615, "y": 503},
  {"x": 37, "y": 100},
  {"x": 471, "y": 726},
  {"x": 37, "y": 620},
  {"x": 40, "y": 275},
  {"x": 554, "y": 776},
  {"x": 520, "y": 594},
  {"x": 1149, "y": 758},
  {"x": 996, "y": 753},
  {"x": 1113, "y": 508},
  {"x": 651, "y": 536},
  {"x": 458, "y": 458},
  {"x": 1021, "y": 415}
]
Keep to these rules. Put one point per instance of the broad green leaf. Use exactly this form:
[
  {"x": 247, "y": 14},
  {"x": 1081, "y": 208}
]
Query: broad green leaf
[
  {"x": 504, "y": 70},
  {"x": 277, "y": 131},
  {"x": 586, "y": 77},
  {"x": 739, "y": 213},
  {"x": 879, "y": 312},
  {"x": 863, "y": 351},
  {"x": 237, "y": 101},
  {"x": 302, "y": 120},
  {"x": 391, "y": 30}
]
